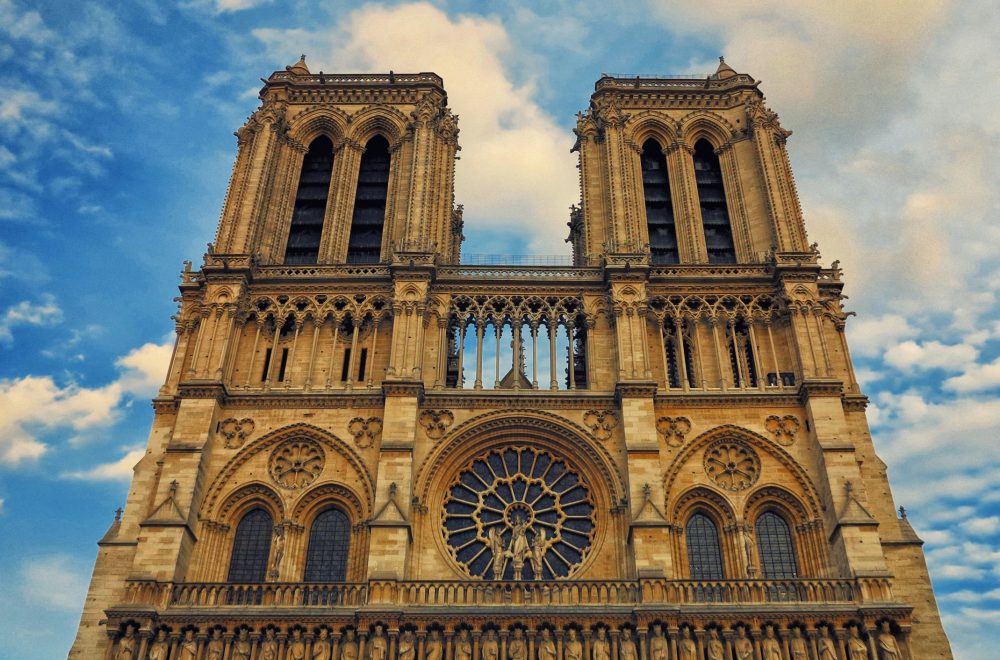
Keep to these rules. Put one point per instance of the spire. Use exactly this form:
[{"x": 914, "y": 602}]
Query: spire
[
  {"x": 299, "y": 68},
  {"x": 724, "y": 71}
]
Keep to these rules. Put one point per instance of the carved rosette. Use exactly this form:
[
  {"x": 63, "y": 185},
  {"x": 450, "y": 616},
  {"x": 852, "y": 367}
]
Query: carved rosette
[
  {"x": 600, "y": 422},
  {"x": 732, "y": 465},
  {"x": 365, "y": 431},
  {"x": 510, "y": 501},
  {"x": 436, "y": 422},
  {"x": 296, "y": 463}
]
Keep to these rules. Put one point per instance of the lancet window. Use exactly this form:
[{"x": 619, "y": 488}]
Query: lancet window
[
  {"x": 712, "y": 199},
  {"x": 659, "y": 205},
  {"x": 306, "y": 230},
  {"x": 365, "y": 242},
  {"x": 251, "y": 547},
  {"x": 775, "y": 546},
  {"x": 329, "y": 541},
  {"x": 501, "y": 342},
  {"x": 704, "y": 553}
]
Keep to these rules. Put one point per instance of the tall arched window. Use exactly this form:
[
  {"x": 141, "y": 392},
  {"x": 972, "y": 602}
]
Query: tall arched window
[
  {"x": 329, "y": 540},
  {"x": 774, "y": 544},
  {"x": 659, "y": 206},
  {"x": 251, "y": 547},
  {"x": 712, "y": 198},
  {"x": 704, "y": 555},
  {"x": 310, "y": 203},
  {"x": 365, "y": 243}
]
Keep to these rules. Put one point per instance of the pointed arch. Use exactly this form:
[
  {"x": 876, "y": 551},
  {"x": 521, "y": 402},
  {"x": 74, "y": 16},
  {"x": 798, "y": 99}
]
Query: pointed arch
[
  {"x": 374, "y": 120},
  {"x": 320, "y": 120},
  {"x": 309, "y": 211},
  {"x": 364, "y": 243},
  {"x": 251, "y": 546},
  {"x": 661, "y": 226}
]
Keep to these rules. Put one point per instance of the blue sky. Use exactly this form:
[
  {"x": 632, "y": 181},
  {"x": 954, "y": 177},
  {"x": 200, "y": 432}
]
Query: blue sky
[{"x": 116, "y": 145}]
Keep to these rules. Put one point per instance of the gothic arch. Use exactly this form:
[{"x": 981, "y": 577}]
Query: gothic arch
[
  {"x": 327, "y": 440},
  {"x": 652, "y": 125},
  {"x": 702, "y": 498},
  {"x": 331, "y": 122},
  {"x": 777, "y": 499},
  {"x": 248, "y": 496},
  {"x": 708, "y": 125},
  {"x": 374, "y": 120},
  {"x": 324, "y": 495}
]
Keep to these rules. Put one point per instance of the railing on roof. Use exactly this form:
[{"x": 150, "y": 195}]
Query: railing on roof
[{"x": 516, "y": 260}]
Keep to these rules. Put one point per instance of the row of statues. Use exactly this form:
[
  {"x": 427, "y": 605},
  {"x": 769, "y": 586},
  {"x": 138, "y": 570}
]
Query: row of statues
[{"x": 516, "y": 646}]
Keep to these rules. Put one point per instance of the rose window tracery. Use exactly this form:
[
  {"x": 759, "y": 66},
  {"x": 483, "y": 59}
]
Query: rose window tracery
[
  {"x": 732, "y": 465},
  {"x": 518, "y": 513},
  {"x": 296, "y": 463}
]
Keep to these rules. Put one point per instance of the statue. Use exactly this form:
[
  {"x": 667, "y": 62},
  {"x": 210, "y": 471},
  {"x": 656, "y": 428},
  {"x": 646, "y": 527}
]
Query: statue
[
  {"x": 517, "y": 649},
  {"x": 349, "y": 649},
  {"x": 126, "y": 645},
  {"x": 887, "y": 643},
  {"x": 407, "y": 647},
  {"x": 546, "y": 646},
  {"x": 658, "y": 644},
  {"x": 742, "y": 646},
  {"x": 216, "y": 647},
  {"x": 519, "y": 548},
  {"x": 600, "y": 650},
  {"x": 716, "y": 650},
  {"x": 278, "y": 551},
  {"x": 496, "y": 547},
  {"x": 269, "y": 647},
  {"x": 770, "y": 647},
  {"x": 573, "y": 650},
  {"x": 827, "y": 647},
  {"x": 189, "y": 647},
  {"x": 463, "y": 647},
  {"x": 296, "y": 646},
  {"x": 687, "y": 649},
  {"x": 377, "y": 646},
  {"x": 538, "y": 553},
  {"x": 159, "y": 650},
  {"x": 433, "y": 651},
  {"x": 322, "y": 650},
  {"x": 856, "y": 647},
  {"x": 797, "y": 646},
  {"x": 242, "y": 645},
  {"x": 626, "y": 647},
  {"x": 490, "y": 649}
]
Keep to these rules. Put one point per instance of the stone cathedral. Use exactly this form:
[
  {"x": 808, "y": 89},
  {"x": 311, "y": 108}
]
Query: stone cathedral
[{"x": 366, "y": 449}]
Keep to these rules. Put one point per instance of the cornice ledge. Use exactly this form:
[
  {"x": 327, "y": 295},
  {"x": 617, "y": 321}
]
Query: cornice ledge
[
  {"x": 730, "y": 398},
  {"x": 855, "y": 402},
  {"x": 414, "y": 388},
  {"x": 164, "y": 404},
  {"x": 635, "y": 389},
  {"x": 820, "y": 387},
  {"x": 212, "y": 390},
  {"x": 299, "y": 400}
]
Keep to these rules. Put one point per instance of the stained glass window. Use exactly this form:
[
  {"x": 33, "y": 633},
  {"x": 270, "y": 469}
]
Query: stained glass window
[
  {"x": 329, "y": 541},
  {"x": 774, "y": 543},
  {"x": 251, "y": 547},
  {"x": 704, "y": 556}
]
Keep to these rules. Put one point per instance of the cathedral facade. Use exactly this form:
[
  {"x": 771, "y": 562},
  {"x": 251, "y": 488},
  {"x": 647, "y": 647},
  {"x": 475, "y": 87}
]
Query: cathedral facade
[{"x": 367, "y": 450}]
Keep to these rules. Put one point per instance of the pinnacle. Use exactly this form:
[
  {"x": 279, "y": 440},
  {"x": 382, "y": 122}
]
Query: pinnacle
[{"x": 299, "y": 67}]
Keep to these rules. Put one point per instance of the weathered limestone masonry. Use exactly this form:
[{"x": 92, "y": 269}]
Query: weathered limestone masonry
[{"x": 365, "y": 450}]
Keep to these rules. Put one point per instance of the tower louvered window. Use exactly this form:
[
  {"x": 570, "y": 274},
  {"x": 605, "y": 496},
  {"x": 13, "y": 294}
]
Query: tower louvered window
[
  {"x": 774, "y": 543},
  {"x": 251, "y": 547},
  {"x": 704, "y": 555},
  {"x": 365, "y": 243},
  {"x": 712, "y": 198},
  {"x": 329, "y": 540},
  {"x": 310, "y": 204},
  {"x": 659, "y": 206}
]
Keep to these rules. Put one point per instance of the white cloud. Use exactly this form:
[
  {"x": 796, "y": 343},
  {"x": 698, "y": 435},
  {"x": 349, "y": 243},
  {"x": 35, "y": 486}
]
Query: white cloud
[
  {"x": 516, "y": 172},
  {"x": 46, "y": 312},
  {"x": 53, "y": 581},
  {"x": 145, "y": 368},
  {"x": 910, "y": 355},
  {"x": 120, "y": 470},
  {"x": 982, "y": 526},
  {"x": 223, "y": 6},
  {"x": 874, "y": 334},
  {"x": 976, "y": 378}
]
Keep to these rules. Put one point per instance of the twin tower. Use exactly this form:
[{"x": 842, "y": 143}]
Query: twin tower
[{"x": 366, "y": 450}]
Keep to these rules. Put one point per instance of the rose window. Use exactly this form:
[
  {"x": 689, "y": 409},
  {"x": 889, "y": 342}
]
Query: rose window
[
  {"x": 732, "y": 465},
  {"x": 518, "y": 513},
  {"x": 296, "y": 463}
]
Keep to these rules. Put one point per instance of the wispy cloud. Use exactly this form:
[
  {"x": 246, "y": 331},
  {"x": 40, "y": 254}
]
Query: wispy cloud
[{"x": 44, "y": 312}]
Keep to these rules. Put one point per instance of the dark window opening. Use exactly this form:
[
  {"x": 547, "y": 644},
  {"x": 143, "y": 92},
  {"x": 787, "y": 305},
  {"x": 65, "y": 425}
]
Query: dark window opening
[
  {"x": 345, "y": 370},
  {"x": 673, "y": 363},
  {"x": 453, "y": 368},
  {"x": 310, "y": 203},
  {"x": 712, "y": 198},
  {"x": 580, "y": 357},
  {"x": 267, "y": 365},
  {"x": 704, "y": 555},
  {"x": 659, "y": 205},
  {"x": 785, "y": 378},
  {"x": 741, "y": 354},
  {"x": 362, "y": 362},
  {"x": 282, "y": 365},
  {"x": 774, "y": 543},
  {"x": 329, "y": 542},
  {"x": 365, "y": 243},
  {"x": 251, "y": 547}
]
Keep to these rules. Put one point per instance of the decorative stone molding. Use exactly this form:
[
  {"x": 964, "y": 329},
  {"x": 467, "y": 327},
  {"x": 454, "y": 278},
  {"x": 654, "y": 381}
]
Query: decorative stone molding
[
  {"x": 673, "y": 429},
  {"x": 235, "y": 431},
  {"x": 365, "y": 431},
  {"x": 436, "y": 422},
  {"x": 783, "y": 428},
  {"x": 732, "y": 465},
  {"x": 600, "y": 422},
  {"x": 296, "y": 463}
]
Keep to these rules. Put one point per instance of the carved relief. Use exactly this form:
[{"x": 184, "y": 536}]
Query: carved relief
[
  {"x": 673, "y": 429},
  {"x": 732, "y": 465},
  {"x": 296, "y": 464},
  {"x": 600, "y": 422},
  {"x": 782, "y": 428},
  {"x": 436, "y": 422},
  {"x": 235, "y": 431},
  {"x": 365, "y": 431}
]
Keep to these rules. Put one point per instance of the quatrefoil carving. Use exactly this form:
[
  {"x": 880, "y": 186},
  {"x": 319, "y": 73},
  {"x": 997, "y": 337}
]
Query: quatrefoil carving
[
  {"x": 436, "y": 422},
  {"x": 235, "y": 431},
  {"x": 365, "y": 430},
  {"x": 600, "y": 422},
  {"x": 782, "y": 428},
  {"x": 673, "y": 429}
]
